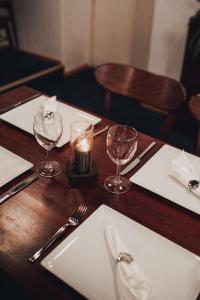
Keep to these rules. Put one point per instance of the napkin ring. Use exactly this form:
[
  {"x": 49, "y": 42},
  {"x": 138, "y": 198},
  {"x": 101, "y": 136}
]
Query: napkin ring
[
  {"x": 123, "y": 256},
  {"x": 193, "y": 184}
]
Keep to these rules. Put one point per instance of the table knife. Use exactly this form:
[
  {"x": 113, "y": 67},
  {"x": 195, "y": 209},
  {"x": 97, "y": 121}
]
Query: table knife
[
  {"x": 7, "y": 108},
  {"x": 137, "y": 160},
  {"x": 101, "y": 130},
  {"x": 18, "y": 187}
]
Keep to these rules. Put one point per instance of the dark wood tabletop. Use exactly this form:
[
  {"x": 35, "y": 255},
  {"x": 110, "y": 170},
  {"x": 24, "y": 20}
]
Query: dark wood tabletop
[{"x": 30, "y": 217}]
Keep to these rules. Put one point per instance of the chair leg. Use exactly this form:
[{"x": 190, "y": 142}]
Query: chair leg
[
  {"x": 167, "y": 125},
  {"x": 107, "y": 101}
]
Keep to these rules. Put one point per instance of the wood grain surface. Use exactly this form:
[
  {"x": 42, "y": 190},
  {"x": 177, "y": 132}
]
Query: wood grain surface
[{"x": 29, "y": 218}]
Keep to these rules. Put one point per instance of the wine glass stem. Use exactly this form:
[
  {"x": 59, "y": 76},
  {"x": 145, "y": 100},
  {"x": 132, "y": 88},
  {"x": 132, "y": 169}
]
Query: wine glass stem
[
  {"x": 47, "y": 161},
  {"x": 118, "y": 170}
]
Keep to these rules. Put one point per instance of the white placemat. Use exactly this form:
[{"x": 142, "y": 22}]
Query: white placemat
[
  {"x": 12, "y": 166},
  {"x": 83, "y": 259},
  {"x": 154, "y": 176},
  {"x": 23, "y": 115}
]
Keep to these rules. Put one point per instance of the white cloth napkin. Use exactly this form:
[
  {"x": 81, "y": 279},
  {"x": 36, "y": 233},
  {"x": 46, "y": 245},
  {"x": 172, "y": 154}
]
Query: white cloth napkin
[
  {"x": 183, "y": 171},
  {"x": 130, "y": 281},
  {"x": 49, "y": 105}
]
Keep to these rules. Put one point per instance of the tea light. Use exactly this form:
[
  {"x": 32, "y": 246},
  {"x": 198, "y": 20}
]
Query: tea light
[{"x": 82, "y": 156}]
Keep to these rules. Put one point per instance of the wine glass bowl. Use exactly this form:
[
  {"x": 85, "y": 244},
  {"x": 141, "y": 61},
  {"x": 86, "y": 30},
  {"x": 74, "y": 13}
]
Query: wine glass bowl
[
  {"x": 121, "y": 144},
  {"x": 48, "y": 128}
]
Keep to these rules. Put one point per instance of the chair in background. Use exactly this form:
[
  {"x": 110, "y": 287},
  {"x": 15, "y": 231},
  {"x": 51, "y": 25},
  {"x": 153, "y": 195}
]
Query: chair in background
[
  {"x": 158, "y": 93},
  {"x": 7, "y": 22},
  {"x": 194, "y": 107},
  {"x": 5, "y": 26}
]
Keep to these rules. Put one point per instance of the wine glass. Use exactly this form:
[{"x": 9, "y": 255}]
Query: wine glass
[
  {"x": 121, "y": 145},
  {"x": 48, "y": 128}
]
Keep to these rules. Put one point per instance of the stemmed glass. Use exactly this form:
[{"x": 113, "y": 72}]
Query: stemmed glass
[
  {"x": 48, "y": 128},
  {"x": 121, "y": 145}
]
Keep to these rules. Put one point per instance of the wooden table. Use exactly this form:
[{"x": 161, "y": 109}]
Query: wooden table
[{"x": 30, "y": 217}]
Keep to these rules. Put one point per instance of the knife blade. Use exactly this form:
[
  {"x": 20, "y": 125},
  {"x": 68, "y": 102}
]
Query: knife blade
[
  {"x": 101, "y": 131},
  {"x": 137, "y": 160},
  {"x": 7, "y": 108},
  {"x": 18, "y": 187}
]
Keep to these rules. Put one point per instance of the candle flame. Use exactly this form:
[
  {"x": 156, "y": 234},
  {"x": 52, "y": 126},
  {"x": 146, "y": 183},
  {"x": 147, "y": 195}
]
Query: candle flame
[{"x": 83, "y": 145}]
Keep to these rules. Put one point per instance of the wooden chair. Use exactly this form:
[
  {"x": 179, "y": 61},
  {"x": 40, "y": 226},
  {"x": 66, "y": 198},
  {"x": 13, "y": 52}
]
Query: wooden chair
[
  {"x": 7, "y": 22},
  {"x": 158, "y": 93}
]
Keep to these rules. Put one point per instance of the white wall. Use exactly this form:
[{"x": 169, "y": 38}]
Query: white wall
[
  {"x": 149, "y": 34},
  {"x": 141, "y": 33},
  {"x": 79, "y": 32},
  {"x": 75, "y": 32},
  {"x": 169, "y": 32},
  {"x": 38, "y": 24},
  {"x": 112, "y": 31},
  {"x": 56, "y": 28}
]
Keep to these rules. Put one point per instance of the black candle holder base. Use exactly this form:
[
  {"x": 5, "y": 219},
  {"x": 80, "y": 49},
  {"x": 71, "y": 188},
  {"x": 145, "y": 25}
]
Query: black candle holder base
[{"x": 72, "y": 173}]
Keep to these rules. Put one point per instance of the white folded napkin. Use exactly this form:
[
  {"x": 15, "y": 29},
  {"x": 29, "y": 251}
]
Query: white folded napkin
[
  {"x": 47, "y": 109},
  {"x": 49, "y": 105},
  {"x": 130, "y": 281},
  {"x": 183, "y": 171}
]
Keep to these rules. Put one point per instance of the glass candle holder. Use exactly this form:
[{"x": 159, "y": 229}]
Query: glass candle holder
[{"x": 81, "y": 143}]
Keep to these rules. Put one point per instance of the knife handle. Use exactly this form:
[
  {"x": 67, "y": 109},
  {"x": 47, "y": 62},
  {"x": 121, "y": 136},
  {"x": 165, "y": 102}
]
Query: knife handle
[
  {"x": 146, "y": 150},
  {"x": 4, "y": 197}
]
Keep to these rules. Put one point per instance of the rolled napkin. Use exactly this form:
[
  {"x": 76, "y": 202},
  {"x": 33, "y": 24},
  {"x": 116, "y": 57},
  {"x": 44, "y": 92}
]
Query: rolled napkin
[
  {"x": 183, "y": 171},
  {"x": 131, "y": 284},
  {"x": 47, "y": 110},
  {"x": 49, "y": 105}
]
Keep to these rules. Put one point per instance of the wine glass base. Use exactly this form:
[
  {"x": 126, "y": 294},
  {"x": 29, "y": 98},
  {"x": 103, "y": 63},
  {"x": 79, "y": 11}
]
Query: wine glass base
[
  {"x": 115, "y": 186},
  {"x": 52, "y": 169}
]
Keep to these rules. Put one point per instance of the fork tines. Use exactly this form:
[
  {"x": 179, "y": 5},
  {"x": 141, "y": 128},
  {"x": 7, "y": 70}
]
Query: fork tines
[{"x": 79, "y": 213}]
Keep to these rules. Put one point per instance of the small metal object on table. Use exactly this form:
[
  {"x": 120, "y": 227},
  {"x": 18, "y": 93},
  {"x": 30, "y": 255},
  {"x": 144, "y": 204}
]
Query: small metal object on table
[{"x": 18, "y": 187}]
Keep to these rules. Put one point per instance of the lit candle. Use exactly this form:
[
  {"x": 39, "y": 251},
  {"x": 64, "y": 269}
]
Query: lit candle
[{"x": 82, "y": 156}]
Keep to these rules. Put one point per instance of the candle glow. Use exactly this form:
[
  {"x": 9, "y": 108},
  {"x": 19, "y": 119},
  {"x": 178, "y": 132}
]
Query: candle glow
[
  {"x": 82, "y": 157},
  {"x": 83, "y": 146}
]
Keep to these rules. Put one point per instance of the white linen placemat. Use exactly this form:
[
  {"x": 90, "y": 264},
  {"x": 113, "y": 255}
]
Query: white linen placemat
[
  {"x": 12, "y": 166},
  {"x": 155, "y": 176},
  {"x": 23, "y": 115}
]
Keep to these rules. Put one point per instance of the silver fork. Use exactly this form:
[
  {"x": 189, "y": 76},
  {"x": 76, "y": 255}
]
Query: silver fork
[{"x": 74, "y": 220}]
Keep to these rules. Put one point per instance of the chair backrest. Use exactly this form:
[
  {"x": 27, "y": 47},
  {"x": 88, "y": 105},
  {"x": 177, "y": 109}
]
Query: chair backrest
[
  {"x": 155, "y": 90},
  {"x": 7, "y": 21},
  {"x": 159, "y": 93}
]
